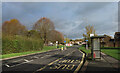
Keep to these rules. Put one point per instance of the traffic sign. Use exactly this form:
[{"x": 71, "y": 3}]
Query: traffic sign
[
  {"x": 56, "y": 41},
  {"x": 64, "y": 41},
  {"x": 86, "y": 40}
]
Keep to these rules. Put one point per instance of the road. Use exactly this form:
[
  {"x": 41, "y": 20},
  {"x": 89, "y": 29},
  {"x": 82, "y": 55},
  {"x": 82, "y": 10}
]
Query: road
[{"x": 70, "y": 60}]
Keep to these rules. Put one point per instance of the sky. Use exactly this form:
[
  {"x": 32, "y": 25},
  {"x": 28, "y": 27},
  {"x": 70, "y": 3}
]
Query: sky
[{"x": 70, "y": 18}]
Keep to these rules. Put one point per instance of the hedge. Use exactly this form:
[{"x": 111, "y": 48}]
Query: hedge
[{"x": 16, "y": 44}]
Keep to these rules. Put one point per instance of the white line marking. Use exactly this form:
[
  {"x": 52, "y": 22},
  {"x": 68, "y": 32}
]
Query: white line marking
[
  {"x": 26, "y": 60},
  {"x": 18, "y": 60},
  {"x": 45, "y": 56},
  {"x": 7, "y": 65},
  {"x": 42, "y": 57},
  {"x": 35, "y": 57},
  {"x": 19, "y": 64}
]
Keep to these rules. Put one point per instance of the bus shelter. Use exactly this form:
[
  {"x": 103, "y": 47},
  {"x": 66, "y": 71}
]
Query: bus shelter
[{"x": 95, "y": 47}]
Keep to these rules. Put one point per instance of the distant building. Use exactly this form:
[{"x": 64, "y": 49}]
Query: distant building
[
  {"x": 117, "y": 39},
  {"x": 108, "y": 41},
  {"x": 77, "y": 41}
]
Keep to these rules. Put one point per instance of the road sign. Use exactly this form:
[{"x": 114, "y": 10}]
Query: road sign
[
  {"x": 91, "y": 35},
  {"x": 56, "y": 41},
  {"x": 86, "y": 40},
  {"x": 64, "y": 41}
]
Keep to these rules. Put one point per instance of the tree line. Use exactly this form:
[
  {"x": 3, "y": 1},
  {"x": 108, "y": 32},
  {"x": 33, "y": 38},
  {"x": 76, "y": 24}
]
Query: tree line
[
  {"x": 43, "y": 29},
  {"x": 17, "y": 38}
]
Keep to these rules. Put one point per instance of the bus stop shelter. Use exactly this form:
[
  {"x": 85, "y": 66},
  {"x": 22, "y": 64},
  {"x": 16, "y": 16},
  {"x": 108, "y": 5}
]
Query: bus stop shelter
[{"x": 95, "y": 47}]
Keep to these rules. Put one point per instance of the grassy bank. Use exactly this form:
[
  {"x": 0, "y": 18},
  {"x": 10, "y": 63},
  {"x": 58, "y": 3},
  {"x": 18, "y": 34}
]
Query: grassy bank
[
  {"x": 87, "y": 51},
  {"x": 115, "y": 53},
  {"x": 45, "y": 48}
]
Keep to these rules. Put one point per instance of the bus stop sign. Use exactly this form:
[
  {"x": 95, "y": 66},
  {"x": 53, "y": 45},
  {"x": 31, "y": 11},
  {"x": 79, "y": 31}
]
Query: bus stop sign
[{"x": 64, "y": 41}]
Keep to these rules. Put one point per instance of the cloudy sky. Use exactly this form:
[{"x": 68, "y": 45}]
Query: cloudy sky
[{"x": 70, "y": 18}]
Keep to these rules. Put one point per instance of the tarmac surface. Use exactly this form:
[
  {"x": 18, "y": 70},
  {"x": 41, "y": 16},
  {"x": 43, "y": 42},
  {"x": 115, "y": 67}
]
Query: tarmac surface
[
  {"x": 69, "y": 60},
  {"x": 106, "y": 64}
]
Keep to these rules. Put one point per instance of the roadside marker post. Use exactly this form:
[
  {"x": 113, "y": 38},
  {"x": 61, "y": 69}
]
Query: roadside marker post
[
  {"x": 56, "y": 44},
  {"x": 86, "y": 44},
  {"x": 65, "y": 45}
]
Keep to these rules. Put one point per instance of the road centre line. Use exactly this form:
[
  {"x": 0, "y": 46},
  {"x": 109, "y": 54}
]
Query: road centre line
[
  {"x": 25, "y": 60},
  {"x": 28, "y": 54},
  {"x": 7, "y": 65},
  {"x": 18, "y": 64},
  {"x": 53, "y": 62},
  {"x": 79, "y": 66},
  {"x": 18, "y": 60}
]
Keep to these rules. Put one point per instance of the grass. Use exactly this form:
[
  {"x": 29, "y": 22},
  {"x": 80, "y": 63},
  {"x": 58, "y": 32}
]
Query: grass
[
  {"x": 112, "y": 52},
  {"x": 45, "y": 48},
  {"x": 115, "y": 53},
  {"x": 87, "y": 51}
]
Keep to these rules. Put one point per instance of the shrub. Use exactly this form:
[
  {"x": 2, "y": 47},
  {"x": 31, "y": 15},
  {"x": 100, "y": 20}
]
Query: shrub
[{"x": 16, "y": 44}]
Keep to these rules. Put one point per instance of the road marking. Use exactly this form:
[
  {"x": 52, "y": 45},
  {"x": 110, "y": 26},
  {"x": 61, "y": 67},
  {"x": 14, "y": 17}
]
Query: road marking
[
  {"x": 7, "y": 65},
  {"x": 26, "y": 60},
  {"x": 70, "y": 67},
  {"x": 45, "y": 56},
  {"x": 18, "y": 60},
  {"x": 53, "y": 62},
  {"x": 19, "y": 64},
  {"x": 72, "y": 61},
  {"x": 64, "y": 66},
  {"x": 29, "y": 54},
  {"x": 79, "y": 66},
  {"x": 35, "y": 57}
]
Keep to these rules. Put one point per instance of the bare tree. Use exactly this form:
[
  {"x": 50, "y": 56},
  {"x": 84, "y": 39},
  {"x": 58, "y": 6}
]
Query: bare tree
[
  {"x": 44, "y": 26},
  {"x": 55, "y": 35}
]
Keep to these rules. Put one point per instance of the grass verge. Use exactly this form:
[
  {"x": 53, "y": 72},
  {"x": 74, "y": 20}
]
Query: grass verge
[
  {"x": 115, "y": 53},
  {"x": 87, "y": 51},
  {"x": 45, "y": 48}
]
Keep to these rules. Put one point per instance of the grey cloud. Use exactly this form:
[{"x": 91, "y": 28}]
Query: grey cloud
[{"x": 69, "y": 18}]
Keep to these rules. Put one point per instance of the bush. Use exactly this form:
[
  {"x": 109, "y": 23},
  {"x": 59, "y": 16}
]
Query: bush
[{"x": 16, "y": 44}]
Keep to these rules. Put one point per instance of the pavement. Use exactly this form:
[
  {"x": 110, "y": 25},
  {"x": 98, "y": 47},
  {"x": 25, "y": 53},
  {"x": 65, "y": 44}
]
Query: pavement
[
  {"x": 70, "y": 60},
  {"x": 106, "y": 64}
]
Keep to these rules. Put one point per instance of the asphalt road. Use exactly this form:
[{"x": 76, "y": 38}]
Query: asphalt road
[{"x": 70, "y": 60}]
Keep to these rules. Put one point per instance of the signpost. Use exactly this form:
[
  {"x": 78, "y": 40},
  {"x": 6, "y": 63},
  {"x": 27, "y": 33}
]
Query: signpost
[
  {"x": 65, "y": 45},
  {"x": 86, "y": 44},
  {"x": 57, "y": 44}
]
